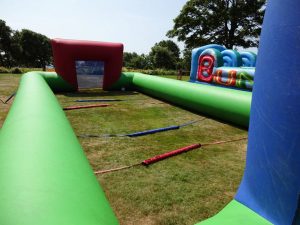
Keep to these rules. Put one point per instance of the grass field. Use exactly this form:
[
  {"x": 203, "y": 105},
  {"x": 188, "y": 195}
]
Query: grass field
[
  {"x": 184, "y": 78},
  {"x": 181, "y": 190}
]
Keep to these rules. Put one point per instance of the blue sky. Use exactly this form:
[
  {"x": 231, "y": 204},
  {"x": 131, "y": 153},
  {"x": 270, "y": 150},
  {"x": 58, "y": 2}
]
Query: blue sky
[{"x": 138, "y": 24}]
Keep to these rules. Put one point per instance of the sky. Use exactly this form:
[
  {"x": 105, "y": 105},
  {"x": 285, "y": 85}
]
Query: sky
[{"x": 138, "y": 24}]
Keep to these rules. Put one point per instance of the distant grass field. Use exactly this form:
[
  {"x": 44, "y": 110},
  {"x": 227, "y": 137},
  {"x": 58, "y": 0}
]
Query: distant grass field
[
  {"x": 181, "y": 190},
  {"x": 184, "y": 78}
]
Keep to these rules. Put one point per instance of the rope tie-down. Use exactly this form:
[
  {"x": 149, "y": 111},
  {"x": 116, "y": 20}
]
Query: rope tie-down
[
  {"x": 85, "y": 106},
  {"x": 98, "y": 100},
  {"x": 141, "y": 133},
  {"x": 9, "y": 98},
  {"x": 166, "y": 155}
]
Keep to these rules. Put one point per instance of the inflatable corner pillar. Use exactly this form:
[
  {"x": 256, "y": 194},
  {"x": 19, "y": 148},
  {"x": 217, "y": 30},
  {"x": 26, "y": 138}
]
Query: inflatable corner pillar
[
  {"x": 270, "y": 186},
  {"x": 45, "y": 177},
  {"x": 271, "y": 183},
  {"x": 67, "y": 52}
]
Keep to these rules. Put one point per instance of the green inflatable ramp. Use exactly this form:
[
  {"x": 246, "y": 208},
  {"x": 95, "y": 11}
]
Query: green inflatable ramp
[{"x": 45, "y": 178}]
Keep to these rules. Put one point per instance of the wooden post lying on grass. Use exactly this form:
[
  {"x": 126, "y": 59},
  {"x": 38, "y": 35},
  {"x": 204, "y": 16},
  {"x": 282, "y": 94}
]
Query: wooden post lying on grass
[
  {"x": 163, "y": 156},
  {"x": 166, "y": 155},
  {"x": 85, "y": 106},
  {"x": 154, "y": 159}
]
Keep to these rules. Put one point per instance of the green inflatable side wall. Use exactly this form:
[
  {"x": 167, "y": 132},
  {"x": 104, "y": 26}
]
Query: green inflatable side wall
[
  {"x": 221, "y": 103},
  {"x": 45, "y": 178}
]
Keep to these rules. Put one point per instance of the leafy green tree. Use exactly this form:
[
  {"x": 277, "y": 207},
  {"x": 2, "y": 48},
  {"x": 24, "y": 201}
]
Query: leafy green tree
[
  {"x": 133, "y": 60},
  {"x": 25, "y": 48},
  {"x": 165, "y": 55},
  {"x": 162, "y": 57},
  {"x": 128, "y": 57},
  {"x": 185, "y": 61},
  {"x": 16, "y": 49},
  {"x": 228, "y": 22},
  {"x": 36, "y": 49},
  {"x": 5, "y": 44},
  {"x": 171, "y": 46},
  {"x": 140, "y": 62}
]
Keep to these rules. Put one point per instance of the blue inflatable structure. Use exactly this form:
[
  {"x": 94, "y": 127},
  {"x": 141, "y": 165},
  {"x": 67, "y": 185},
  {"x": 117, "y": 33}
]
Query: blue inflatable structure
[
  {"x": 271, "y": 184},
  {"x": 217, "y": 65}
]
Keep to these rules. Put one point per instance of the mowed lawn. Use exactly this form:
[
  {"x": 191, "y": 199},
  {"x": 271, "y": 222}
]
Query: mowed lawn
[
  {"x": 183, "y": 78},
  {"x": 184, "y": 189}
]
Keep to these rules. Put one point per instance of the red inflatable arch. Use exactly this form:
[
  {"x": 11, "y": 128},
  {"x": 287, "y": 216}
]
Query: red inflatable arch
[{"x": 66, "y": 52}]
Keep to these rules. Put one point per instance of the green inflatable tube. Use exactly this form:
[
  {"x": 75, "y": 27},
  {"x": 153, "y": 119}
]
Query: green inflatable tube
[
  {"x": 55, "y": 82},
  {"x": 236, "y": 213},
  {"x": 44, "y": 175},
  {"x": 221, "y": 103}
]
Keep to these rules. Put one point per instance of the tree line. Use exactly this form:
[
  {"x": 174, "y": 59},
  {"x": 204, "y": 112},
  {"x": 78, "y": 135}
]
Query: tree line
[
  {"x": 23, "y": 48},
  {"x": 232, "y": 23},
  {"x": 163, "y": 55}
]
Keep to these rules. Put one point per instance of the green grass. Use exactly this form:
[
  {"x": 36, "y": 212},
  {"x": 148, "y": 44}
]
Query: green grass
[
  {"x": 181, "y": 190},
  {"x": 8, "y": 84},
  {"x": 184, "y": 78}
]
